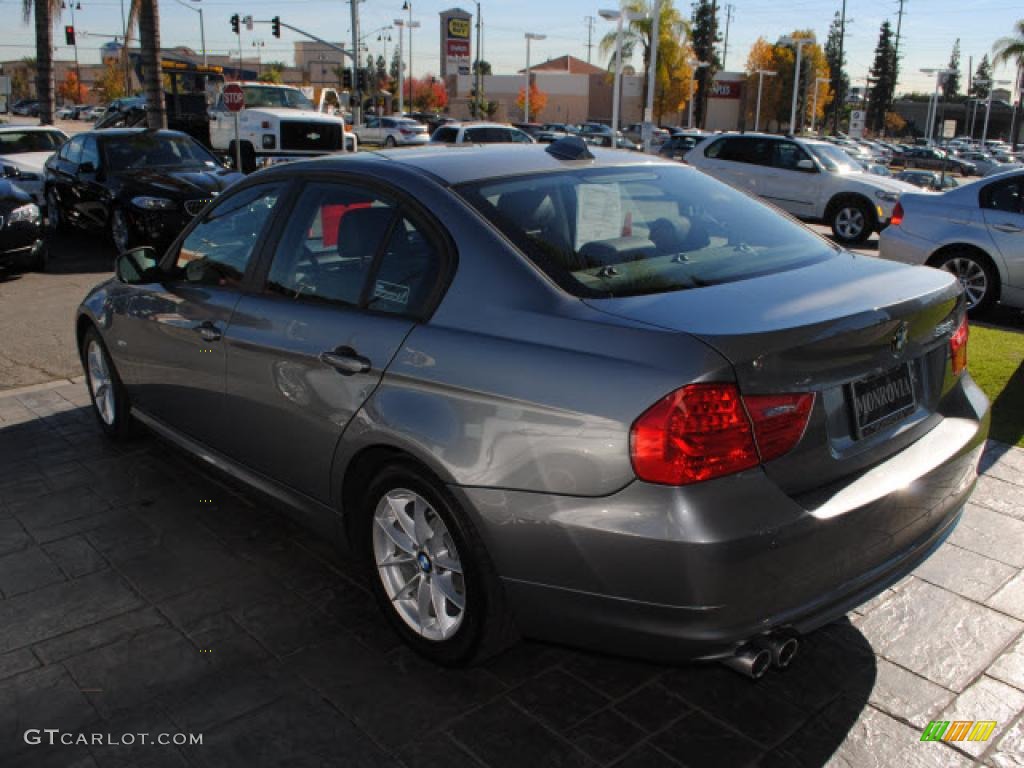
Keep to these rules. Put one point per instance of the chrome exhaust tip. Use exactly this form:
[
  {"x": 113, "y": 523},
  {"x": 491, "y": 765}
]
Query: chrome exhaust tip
[
  {"x": 781, "y": 645},
  {"x": 750, "y": 661}
]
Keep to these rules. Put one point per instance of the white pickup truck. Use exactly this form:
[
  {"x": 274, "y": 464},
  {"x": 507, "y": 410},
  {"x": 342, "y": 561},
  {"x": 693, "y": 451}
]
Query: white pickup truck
[{"x": 279, "y": 123}]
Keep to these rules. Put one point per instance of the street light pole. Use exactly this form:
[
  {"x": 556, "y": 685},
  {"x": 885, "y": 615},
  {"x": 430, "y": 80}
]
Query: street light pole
[
  {"x": 652, "y": 76},
  {"x": 621, "y": 17},
  {"x": 933, "y": 112},
  {"x": 400, "y": 23},
  {"x": 202, "y": 26},
  {"x": 799, "y": 42},
  {"x": 526, "y": 102},
  {"x": 814, "y": 110},
  {"x": 761, "y": 74},
  {"x": 407, "y": 6}
]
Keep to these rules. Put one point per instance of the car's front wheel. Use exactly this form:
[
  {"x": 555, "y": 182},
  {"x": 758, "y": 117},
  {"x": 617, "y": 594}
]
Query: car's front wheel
[
  {"x": 430, "y": 572},
  {"x": 109, "y": 401},
  {"x": 120, "y": 230},
  {"x": 852, "y": 221},
  {"x": 390, "y": 141},
  {"x": 976, "y": 275},
  {"x": 54, "y": 217}
]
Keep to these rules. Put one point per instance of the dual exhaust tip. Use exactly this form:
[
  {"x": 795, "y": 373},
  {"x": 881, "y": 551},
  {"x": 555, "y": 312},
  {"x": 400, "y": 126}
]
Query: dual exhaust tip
[{"x": 754, "y": 658}]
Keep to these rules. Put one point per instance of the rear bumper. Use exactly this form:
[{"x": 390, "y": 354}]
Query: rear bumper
[{"x": 683, "y": 573}]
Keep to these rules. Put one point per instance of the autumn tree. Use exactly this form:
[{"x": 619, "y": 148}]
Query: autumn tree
[
  {"x": 430, "y": 95},
  {"x": 71, "y": 91},
  {"x": 111, "y": 81},
  {"x": 777, "y": 91},
  {"x": 538, "y": 100},
  {"x": 762, "y": 57}
]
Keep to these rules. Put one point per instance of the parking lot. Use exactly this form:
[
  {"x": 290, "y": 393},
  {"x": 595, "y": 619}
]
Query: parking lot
[{"x": 141, "y": 594}]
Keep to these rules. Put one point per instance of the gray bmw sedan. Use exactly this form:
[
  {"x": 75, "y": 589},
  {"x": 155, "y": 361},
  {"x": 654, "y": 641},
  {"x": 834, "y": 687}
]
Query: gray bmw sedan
[{"x": 580, "y": 395}]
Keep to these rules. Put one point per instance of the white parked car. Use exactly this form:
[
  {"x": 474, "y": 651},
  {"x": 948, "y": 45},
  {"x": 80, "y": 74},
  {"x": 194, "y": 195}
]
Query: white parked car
[
  {"x": 24, "y": 151},
  {"x": 277, "y": 124},
  {"x": 480, "y": 133},
  {"x": 975, "y": 231},
  {"x": 392, "y": 131},
  {"x": 96, "y": 112},
  {"x": 813, "y": 180}
]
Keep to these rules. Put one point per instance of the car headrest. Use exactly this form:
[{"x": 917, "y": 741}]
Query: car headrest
[{"x": 361, "y": 230}]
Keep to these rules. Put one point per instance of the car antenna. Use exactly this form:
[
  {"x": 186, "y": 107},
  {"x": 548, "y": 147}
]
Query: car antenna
[{"x": 569, "y": 148}]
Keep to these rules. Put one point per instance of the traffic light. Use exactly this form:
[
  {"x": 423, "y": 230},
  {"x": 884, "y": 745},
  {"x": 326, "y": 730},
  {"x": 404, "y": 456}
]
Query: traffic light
[
  {"x": 69, "y": 35},
  {"x": 361, "y": 80},
  {"x": 236, "y": 24},
  {"x": 346, "y": 79},
  {"x": 275, "y": 26}
]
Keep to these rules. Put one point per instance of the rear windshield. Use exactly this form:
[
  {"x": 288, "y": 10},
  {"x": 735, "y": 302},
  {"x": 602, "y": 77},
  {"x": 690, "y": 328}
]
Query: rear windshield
[
  {"x": 639, "y": 230},
  {"x": 13, "y": 142}
]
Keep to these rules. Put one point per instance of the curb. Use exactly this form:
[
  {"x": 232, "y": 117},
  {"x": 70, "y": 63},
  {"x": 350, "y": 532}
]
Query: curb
[{"x": 55, "y": 384}]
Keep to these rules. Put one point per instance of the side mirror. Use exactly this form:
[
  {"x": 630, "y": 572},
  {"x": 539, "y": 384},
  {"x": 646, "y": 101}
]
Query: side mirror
[
  {"x": 136, "y": 266},
  {"x": 805, "y": 165}
]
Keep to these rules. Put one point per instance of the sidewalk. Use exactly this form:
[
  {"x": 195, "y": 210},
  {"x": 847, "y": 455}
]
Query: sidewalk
[{"x": 140, "y": 594}]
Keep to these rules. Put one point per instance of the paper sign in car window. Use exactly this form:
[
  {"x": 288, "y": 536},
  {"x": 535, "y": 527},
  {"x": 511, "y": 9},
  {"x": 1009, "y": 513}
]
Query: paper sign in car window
[
  {"x": 598, "y": 213},
  {"x": 393, "y": 292}
]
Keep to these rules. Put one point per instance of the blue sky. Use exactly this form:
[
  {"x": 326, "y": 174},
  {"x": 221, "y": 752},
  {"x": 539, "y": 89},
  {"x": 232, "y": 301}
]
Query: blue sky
[{"x": 930, "y": 28}]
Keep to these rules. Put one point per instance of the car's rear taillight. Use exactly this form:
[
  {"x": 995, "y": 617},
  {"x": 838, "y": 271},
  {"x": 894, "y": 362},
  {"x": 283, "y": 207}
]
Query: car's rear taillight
[
  {"x": 703, "y": 431},
  {"x": 958, "y": 347},
  {"x": 897, "y": 215},
  {"x": 779, "y": 421}
]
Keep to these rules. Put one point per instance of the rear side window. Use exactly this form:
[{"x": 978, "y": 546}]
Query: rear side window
[
  {"x": 626, "y": 231},
  {"x": 751, "y": 150},
  {"x": 1007, "y": 196},
  {"x": 447, "y": 135},
  {"x": 350, "y": 246}
]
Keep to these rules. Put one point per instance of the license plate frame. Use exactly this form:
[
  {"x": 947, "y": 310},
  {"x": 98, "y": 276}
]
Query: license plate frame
[{"x": 882, "y": 399}]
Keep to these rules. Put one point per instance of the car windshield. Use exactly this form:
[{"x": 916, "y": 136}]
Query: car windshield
[
  {"x": 833, "y": 158},
  {"x": 145, "y": 150},
  {"x": 15, "y": 142},
  {"x": 287, "y": 98},
  {"x": 627, "y": 231}
]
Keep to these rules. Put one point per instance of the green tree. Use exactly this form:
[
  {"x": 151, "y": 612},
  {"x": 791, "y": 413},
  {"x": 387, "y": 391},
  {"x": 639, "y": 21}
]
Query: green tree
[
  {"x": 638, "y": 34},
  {"x": 982, "y": 79},
  {"x": 839, "y": 81},
  {"x": 1010, "y": 50},
  {"x": 883, "y": 79},
  {"x": 704, "y": 36},
  {"x": 951, "y": 84},
  {"x": 396, "y": 66},
  {"x": 485, "y": 67}
]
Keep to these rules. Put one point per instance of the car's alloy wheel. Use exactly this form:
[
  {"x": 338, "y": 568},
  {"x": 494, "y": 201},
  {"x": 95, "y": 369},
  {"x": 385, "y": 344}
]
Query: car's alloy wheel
[
  {"x": 389, "y": 141},
  {"x": 119, "y": 230},
  {"x": 975, "y": 278},
  {"x": 850, "y": 223},
  {"x": 101, "y": 384},
  {"x": 418, "y": 565}
]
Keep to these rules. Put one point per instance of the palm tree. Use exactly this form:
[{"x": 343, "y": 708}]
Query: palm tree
[
  {"x": 671, "y": 26},
  {"x": 147, "y": 12},
  {"x": 1010, "y": 50},
  {"x": 45, "y": 12}
]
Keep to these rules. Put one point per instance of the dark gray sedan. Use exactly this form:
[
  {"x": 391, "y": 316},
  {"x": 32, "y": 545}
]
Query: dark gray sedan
[{"x": 568, "y": 393}]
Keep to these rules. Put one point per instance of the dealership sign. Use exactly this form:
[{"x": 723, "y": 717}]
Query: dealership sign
[{"x": 725, "y": 89}]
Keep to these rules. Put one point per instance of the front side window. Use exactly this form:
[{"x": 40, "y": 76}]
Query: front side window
[
  {"x": 788, "y": 155},
  {"x": 281, "y": 98},
  {"x": 605, "y": 232},
  {"x": 834, "y": 159},
  {"x": 219, "y": 249},
  {"x": 72, "y": 151},
  {"x": 90, "y": 153}
]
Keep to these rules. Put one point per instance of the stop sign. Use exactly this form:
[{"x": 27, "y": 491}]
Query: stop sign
[{"x": 234, "y": 97}]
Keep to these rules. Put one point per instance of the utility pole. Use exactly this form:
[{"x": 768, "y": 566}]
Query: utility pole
[
  {"x": 590, "y": 35},
  {"x": 479, "y": 57},
  {"x": 842, "y": 37},
  {"x": 357, "y": 106},
  {"x": 729, "y": 8},
  {"x": 896, "y": 51}
]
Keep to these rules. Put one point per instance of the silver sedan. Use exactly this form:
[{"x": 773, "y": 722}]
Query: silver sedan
[
  {"x": 975, "y": 231},
  {"x": 562, "y": 392}
]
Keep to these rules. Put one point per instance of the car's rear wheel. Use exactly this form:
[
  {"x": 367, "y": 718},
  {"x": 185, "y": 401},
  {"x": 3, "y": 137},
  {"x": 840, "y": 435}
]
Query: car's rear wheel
[
  {"x": 976, "y": 275},
  {"x": 430, "y": 572},
  {"x": 390, "y": 142},
  {"x": 852, "y": 221},
  {"x": 109, "y": 401}
]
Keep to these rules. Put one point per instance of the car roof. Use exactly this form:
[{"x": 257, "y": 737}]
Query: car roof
[
  {"x": 30, "y": 129},
  {"x": 112, "y": 132},
  {"x": 474, "y": 162}
]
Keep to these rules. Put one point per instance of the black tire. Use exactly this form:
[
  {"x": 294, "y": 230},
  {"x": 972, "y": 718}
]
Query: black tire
[
  {"x": 40, "y": 260},
  {"x": 976, "y": 275},
  {"x": 852, "y": 221},
  {"x": 486, "y": 627},
  {"x": 119, "y": 426},
  {"x": 122, "y": 239},
  {"x": 390, "y": 142},
  {"x": 55, "y": 223}
]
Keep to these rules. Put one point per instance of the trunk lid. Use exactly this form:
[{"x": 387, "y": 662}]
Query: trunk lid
[{"x": 827, "y": 328}]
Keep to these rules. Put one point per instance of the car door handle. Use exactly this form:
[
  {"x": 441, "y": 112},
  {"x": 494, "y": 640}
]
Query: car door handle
[
  {"x": 1009, "y": 228},
  {"x": 208, "y": 331},
  {"x": 345, "y": 361}
]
